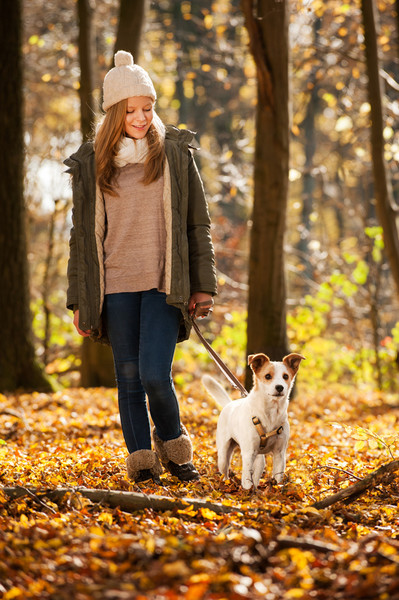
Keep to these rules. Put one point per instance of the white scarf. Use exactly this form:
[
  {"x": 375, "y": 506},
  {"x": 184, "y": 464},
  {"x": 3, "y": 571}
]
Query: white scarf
[{"x": 131, "y": 151}]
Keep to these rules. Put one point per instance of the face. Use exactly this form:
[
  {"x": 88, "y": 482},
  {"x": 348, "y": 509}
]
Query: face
[
  {"x": 274, "y": 378},
  {"x": 139, "y": 114}
]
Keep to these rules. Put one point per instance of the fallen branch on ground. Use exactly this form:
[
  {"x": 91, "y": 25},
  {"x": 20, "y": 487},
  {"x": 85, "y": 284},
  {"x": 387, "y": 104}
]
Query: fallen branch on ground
[
  {"x": 303, "y": 543},
  {"x": 126, "y": 501},
  {"x": 17, "y": 415},
  {"x": 360, "y": 487}
]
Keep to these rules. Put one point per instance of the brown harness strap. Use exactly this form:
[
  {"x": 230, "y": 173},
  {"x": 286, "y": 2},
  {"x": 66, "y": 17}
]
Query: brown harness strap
[{"x": 265, "y": 436}]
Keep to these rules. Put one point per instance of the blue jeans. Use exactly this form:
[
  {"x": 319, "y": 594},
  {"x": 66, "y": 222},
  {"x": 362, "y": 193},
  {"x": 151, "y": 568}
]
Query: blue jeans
[{"x": 143, "y": 331}]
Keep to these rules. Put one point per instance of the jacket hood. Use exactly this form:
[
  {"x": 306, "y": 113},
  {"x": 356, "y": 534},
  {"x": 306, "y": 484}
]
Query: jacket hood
[
  {"x": 84, "y": 151},
  {"x": 181, "y": 136}
]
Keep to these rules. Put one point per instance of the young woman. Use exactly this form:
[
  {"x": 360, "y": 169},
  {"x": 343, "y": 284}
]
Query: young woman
[{"x": 141, "y": 260}]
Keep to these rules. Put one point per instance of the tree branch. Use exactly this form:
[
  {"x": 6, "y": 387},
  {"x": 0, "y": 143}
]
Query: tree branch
[
  {"x": 127, "y": 501},
  {"x": 360, "y": 487}
]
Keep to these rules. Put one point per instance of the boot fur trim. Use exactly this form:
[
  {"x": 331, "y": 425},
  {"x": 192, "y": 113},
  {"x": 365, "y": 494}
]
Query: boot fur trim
[
  {"x": 179, "y": 450},
  {"x": 143, "y": 459}
]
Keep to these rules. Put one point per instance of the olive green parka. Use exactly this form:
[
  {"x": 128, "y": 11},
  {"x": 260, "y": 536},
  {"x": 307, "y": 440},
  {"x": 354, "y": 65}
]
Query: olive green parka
[{"x": 193, "y": 260}]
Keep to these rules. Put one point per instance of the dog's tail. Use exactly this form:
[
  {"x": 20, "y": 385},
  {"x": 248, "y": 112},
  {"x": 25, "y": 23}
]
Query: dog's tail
[{"x": 217, "y": 392}]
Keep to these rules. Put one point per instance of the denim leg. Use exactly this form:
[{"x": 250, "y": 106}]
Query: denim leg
[
  {"x": 122, "y": 317},
  {"x": 159, "y": 328}
]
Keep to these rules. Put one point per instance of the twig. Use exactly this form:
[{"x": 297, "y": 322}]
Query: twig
[
  {"x": 35, "y": 498},
  {"x": 338, "y": 469},
  {"x": 360, "y": 487}
]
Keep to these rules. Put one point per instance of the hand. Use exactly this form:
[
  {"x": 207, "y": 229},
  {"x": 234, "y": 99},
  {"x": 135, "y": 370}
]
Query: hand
[
  {"x": 202, "y": 311},
  {"x": 76, "y": 323}
]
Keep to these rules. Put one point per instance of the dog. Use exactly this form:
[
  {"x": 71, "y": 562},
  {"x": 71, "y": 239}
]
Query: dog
[{"x": 267, "y": 403}]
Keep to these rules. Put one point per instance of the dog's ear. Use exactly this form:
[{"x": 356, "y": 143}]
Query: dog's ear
[
  {"x": 293, "y": 361},
  {"x": 256, "y": 361}
]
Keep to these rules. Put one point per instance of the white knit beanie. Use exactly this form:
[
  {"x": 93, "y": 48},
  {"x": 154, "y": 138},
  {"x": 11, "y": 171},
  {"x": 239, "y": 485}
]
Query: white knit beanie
[{"x": 126, "y": 80}]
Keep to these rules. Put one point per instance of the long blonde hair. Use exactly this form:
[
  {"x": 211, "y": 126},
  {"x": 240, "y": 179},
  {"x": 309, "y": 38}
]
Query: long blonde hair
[{"x": 108, "y": 136}]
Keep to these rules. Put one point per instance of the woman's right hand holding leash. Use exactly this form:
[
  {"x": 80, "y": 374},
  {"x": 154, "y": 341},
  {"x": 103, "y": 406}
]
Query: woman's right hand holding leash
[{"x": 76, "y": 323}]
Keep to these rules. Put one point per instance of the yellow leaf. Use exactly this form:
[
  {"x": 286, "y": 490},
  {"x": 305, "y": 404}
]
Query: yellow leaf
[
  {"x": 96, "y": 531},
  {"x": 295, "y": 593},
  {"x": 373, "y": 443},
  {"x": 13, "y": 592},
  {"x": 105, "y": 517},
  {"x": 361, "y": 434},
  {"x": 176, "y": 569},
  {"x": 360, "y": 445},
  {"x": 188, "y": 511},
  {"x": 24, "y": 519},
  {"x": 208, "y": 21},
  {"x": 209, "y": 514}
]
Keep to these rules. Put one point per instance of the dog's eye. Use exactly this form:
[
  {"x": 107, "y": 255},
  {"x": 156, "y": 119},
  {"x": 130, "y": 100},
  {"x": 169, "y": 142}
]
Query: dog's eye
[
  {"x": 285, "y": 376},
  {"x": 268, "y": 376}
]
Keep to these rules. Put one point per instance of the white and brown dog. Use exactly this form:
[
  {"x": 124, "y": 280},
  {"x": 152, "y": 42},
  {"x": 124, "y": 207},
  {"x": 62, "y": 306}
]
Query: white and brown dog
[{"x": 258, "y": 423}]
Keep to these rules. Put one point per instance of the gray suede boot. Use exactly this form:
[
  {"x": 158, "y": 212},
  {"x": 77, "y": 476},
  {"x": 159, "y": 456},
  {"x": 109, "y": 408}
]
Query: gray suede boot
[
  {"x": 176, "y": 455},
  {"x": 143, "y": 465}
]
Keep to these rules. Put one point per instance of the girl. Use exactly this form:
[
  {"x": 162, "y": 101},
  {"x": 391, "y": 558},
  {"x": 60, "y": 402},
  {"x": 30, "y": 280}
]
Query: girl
[{"x": 141, "y": 260}]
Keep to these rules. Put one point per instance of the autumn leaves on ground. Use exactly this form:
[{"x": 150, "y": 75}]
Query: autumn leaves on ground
[{"x": 270, "y": 544}]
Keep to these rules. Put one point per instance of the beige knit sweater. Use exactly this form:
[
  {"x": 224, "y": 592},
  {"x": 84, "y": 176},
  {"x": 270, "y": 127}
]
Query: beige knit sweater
[{"x": 135, "y": 241}]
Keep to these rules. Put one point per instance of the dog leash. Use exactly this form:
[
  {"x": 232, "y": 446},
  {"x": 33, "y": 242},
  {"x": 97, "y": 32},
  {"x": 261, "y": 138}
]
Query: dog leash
[{"x": 214, "y": 355}]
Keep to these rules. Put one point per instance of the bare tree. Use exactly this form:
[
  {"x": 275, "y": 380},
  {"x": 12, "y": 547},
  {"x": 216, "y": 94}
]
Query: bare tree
[
  {"x": 267, "y": 25},
  {"x": 18, "y": 367},
  {"x": 386, "y": 208}
]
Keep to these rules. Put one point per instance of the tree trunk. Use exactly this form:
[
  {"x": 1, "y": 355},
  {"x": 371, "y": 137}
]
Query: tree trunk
[
  {"x": 131, "y": 19},
  {"x": 268, "y": 35},
  {"x": 186, "y": 112},
  {"x": 387, "y": 210},
  {"x": 87, "y": 104},
  {"x": 309, "y": 132},
  {"x": 18, "y": 367}
]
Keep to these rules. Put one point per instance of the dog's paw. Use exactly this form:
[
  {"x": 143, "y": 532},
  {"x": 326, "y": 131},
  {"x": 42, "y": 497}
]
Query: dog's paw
[{"x": 247, "y": 483}]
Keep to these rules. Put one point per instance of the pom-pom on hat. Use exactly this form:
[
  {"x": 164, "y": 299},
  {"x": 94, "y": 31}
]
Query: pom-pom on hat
[{"x": 126, "y": 80}]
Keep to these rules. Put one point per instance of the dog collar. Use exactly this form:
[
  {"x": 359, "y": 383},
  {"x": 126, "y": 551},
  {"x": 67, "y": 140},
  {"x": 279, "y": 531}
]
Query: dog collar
[{"x": 262, "y": 434}]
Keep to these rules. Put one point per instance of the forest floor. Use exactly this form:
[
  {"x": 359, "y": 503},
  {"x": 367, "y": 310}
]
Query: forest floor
[{"x": 271, "y": 544}]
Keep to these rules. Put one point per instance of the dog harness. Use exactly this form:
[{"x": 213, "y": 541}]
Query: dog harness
[{"x": 262, "y": 434}]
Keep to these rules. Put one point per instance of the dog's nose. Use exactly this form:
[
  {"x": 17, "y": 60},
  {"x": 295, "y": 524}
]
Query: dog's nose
[{"x": 279, "y": 388}]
